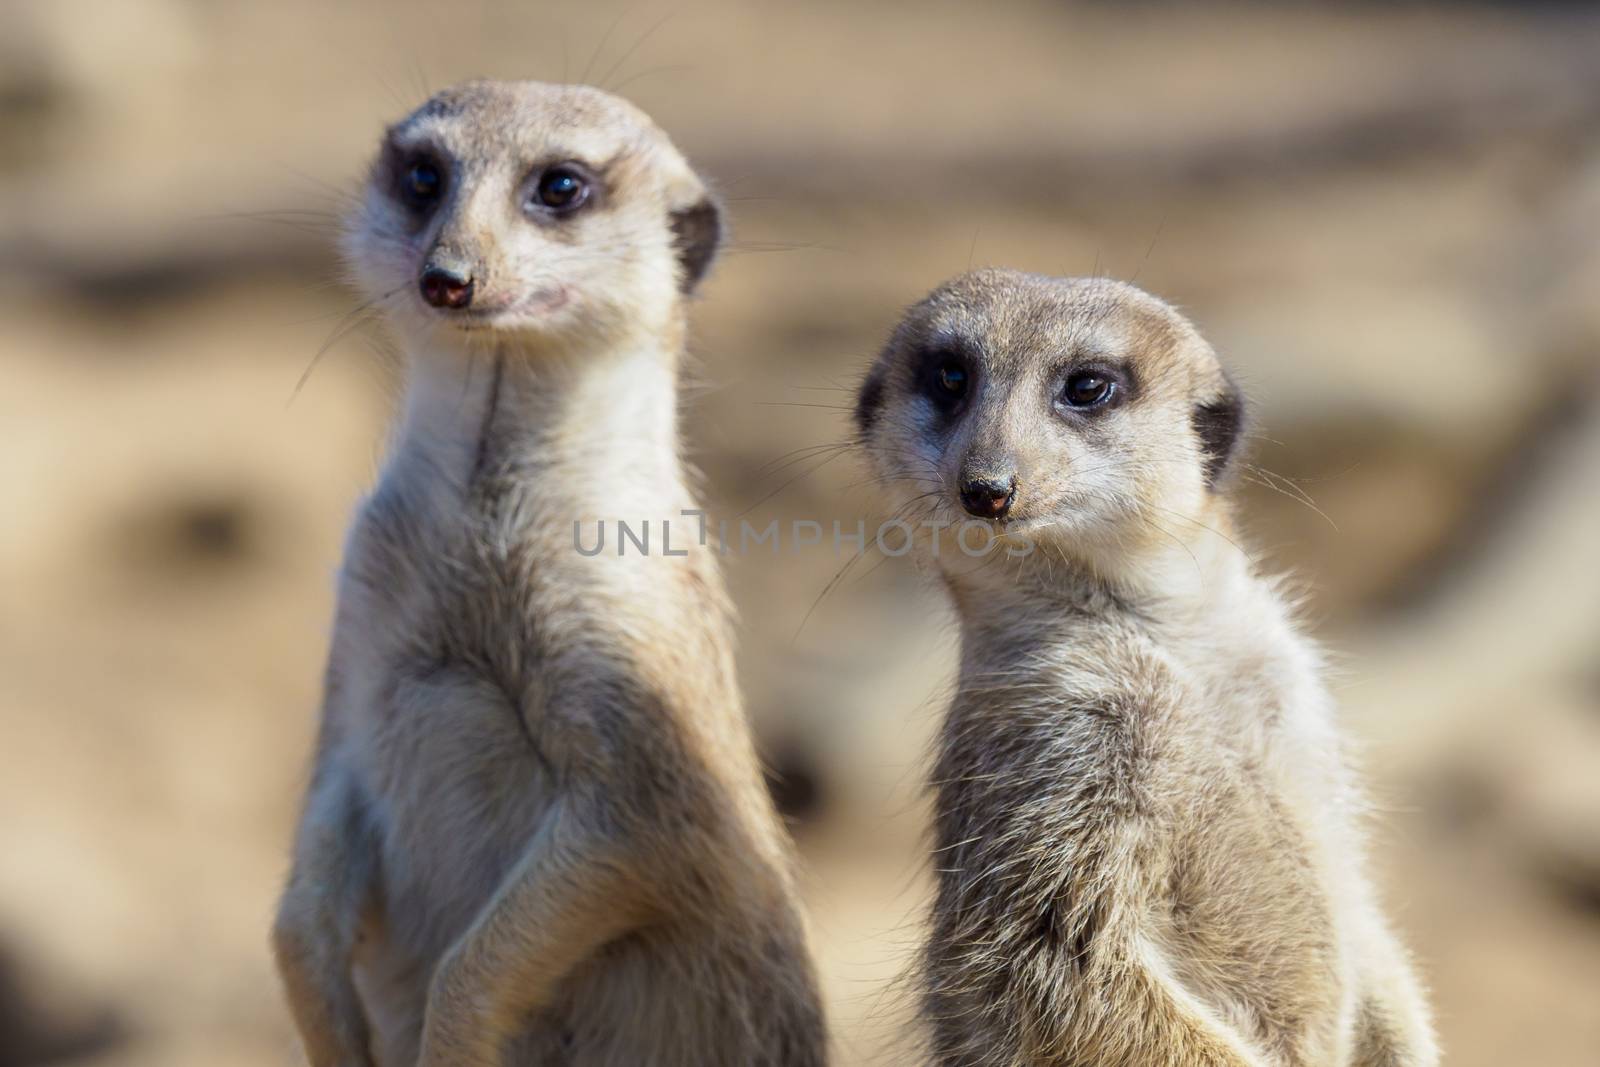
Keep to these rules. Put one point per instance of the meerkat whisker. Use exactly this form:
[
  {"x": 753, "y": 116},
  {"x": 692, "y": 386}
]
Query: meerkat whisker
[
  {"x": 1268, "y": 480},
  {"x": 348, "y": 322},
  {"x": 628, "y": 53},
  {"x": 667, "y": 68},
  {"x": 791, "y": 481},
  {"x": 801, "y": 404},
  {"x": 790, "y": 458}
]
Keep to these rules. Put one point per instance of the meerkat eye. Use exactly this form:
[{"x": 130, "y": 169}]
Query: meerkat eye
[
  {"x": 946, "y": 380},
  {"x": 561, "y": 188},
  {"x": 421, "y": 183},
  {"x": 1087, "y": 389}
]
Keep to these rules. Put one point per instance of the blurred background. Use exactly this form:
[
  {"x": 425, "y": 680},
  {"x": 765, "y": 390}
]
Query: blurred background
[{"x": 1386, "y": 216}]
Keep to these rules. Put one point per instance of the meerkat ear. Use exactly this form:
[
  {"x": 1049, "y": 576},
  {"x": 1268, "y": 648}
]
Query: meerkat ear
[
  {"x": 696, "y": 233},
  {"x": 1219, "y": 423},
  {"x": 869, "y": 400}
]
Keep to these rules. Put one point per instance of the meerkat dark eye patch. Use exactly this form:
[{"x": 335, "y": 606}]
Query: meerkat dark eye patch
[
  {"x": 418, "y": 178},
  {"x": 1219, "y": 424},
  {"x": 946, "y": 375},
  {"x": 422, "y": 183},
  {"x": 951, "y": 379},
  {"x": 696, "y": 236}
]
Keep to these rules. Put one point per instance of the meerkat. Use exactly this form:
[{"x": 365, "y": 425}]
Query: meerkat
[
  {"x": 1147, "y": 843},
  {"x": 536, "y": 831}
]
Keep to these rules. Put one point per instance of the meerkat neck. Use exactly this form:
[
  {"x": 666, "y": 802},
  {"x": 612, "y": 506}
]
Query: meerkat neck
[
  {"x": 596, "y": 430},
  {"x": 1178, "y": 582}
]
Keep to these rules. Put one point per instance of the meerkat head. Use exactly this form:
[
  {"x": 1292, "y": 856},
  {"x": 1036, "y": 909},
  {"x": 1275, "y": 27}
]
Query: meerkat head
[
  {"x": 555, "y": 212},
  {"x": 1082, "y": 414}
]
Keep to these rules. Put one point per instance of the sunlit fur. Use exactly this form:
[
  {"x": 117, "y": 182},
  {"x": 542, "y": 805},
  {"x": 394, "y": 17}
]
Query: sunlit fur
[
  {"x": 1147, "y": 836},
  {"x": 536, "y": 831}
]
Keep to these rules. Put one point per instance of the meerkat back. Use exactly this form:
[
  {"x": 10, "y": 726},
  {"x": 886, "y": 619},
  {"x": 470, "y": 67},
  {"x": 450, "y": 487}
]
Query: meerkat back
[{"x": 536, "y": 830}]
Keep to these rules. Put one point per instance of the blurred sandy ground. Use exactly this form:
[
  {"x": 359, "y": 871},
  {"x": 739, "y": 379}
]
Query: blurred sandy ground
[{"x": 1387, "y": 217}]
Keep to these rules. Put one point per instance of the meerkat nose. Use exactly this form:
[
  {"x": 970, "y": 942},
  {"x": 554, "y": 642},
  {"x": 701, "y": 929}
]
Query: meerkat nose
[
  {"x": 445, "y": 288},
  {"x": 988, "y": 498}
]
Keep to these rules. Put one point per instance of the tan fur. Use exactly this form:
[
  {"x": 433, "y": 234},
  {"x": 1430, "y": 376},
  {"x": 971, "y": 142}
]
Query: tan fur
[
  {"x": 536, "y": 832},
  {"x": 1147, "y": 834}
]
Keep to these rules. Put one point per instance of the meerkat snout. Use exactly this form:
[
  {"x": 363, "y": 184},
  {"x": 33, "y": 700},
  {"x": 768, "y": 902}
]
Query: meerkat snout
[
  {"x": 988, "y": 497},
  {"x": 446, "y": 287}
]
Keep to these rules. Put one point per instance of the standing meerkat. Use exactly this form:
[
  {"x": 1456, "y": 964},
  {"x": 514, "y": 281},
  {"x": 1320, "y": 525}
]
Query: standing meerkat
[
  {"x": 1147, "y": 835},
  {"x": 536, "y": 832}
]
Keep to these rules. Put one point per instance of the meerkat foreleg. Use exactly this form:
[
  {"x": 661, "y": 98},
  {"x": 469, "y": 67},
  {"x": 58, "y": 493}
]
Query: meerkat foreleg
[
  {"x": 1393, "y": 1027},
  {"x": 1191, "y": 1035},
  {"x": 572, "y": 892},
  {"x": 318, "y": 923},
  {"x": 1125, "y": 1010}
]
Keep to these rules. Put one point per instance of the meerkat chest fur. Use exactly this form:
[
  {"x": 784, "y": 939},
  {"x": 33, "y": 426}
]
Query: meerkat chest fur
[
  {"x": 478, "y": 635},
  {"x": 1158, "y": 697},
  {"x": 1177, "y": 764}
]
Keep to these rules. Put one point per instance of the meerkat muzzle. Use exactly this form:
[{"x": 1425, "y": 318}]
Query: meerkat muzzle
[
  {"x": 443, "y": 288},
  {"x": 988, "y": 498}
]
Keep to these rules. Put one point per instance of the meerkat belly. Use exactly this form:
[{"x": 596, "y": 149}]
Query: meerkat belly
[
  {"x": 447, "y": 756},
  {"x": 456, "y": 770},
  {"x": 1246, "y": 922},
  {"x": 1148, "y": 818},
  {"x": 1255, "y": 913}
]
